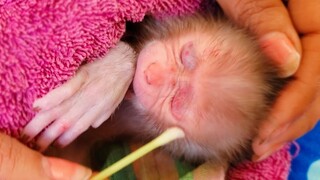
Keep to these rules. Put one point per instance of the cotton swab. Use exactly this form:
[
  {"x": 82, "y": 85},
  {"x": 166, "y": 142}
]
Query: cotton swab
[{"x": 167, "y": 136}]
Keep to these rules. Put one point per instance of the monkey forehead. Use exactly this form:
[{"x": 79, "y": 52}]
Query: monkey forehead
[{"x": 229, "y": 79}]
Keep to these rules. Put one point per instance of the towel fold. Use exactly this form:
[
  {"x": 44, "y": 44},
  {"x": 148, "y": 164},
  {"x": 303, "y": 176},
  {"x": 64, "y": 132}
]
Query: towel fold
[{"x": 43, "y": 43}]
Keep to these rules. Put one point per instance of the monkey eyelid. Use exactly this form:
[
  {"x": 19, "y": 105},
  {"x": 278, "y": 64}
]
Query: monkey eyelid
[{"x": 188, "y": 56}]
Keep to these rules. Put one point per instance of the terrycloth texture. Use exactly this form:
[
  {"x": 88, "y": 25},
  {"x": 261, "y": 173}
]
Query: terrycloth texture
[
  {"x": 306, "y": 156},
  {"x": 43, "y": 43},
  {"x": 276, "y": 167}
]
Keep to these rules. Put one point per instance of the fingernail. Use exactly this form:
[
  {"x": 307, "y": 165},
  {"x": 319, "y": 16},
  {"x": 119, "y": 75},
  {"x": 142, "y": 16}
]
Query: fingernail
[
  {"x": 37, "y": 109},
  {"x": 24, "y": 138},
  {"x": 36, "y": 105},
  {"x": 278, "y": 47},
  {"x": 268, "y": 152},
  {"x": 62, "y": 169},
  {"x": 256, "y": 158},
  {"x": 278, "y": 132},
  {"x": 261, "y": 141}
]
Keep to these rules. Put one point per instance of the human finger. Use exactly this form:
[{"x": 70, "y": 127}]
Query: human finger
[
  {"x": 293, "y": 131},
  {"x": 270, "y": 21},
  {"x": 20, "y": 162},
  {"x": 300, "y": 93}
]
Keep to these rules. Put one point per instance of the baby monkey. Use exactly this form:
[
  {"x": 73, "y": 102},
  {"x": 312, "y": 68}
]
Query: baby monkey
[
  {"x": 206, "y": 76},
  {"x": 200, "y": 73}
]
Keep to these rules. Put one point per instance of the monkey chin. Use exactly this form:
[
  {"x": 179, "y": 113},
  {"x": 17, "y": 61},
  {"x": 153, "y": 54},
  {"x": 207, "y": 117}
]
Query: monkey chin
[
  {"x": 194, "y": 147},
  {"x": 196, "y": 152}
]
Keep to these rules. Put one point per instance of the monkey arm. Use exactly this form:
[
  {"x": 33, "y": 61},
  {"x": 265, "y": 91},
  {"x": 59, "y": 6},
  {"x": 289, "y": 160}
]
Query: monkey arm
[{"x": 87, "y": 99}]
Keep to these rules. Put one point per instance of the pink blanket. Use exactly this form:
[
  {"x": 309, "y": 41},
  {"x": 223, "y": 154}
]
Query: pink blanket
[{"x": 43, "y": 43}]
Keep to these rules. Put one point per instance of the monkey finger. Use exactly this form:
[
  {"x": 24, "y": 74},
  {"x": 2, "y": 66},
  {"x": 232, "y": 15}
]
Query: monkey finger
[
  {"x": 44, "y": 118},
  {"x": 79, "y": 127},
  {"x": 63, "y": 124},
  {"x": 101, "y": 119},
  {"x": 60, "y": 94},
  {"x": 108, "y": 111},
  {"x": 51, "y": 134},
  {"x": 40, "y": 122},
  {"x": 270, "y": 21}
]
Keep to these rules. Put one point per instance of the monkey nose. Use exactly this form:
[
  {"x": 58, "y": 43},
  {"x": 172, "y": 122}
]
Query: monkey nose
[{"x": 155, "y": 75}]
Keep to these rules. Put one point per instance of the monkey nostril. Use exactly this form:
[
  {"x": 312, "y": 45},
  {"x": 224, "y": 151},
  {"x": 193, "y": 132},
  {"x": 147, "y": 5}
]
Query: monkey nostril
[
  {"x": 154, "y": 75},
  {"x": 147, "y": 75}
]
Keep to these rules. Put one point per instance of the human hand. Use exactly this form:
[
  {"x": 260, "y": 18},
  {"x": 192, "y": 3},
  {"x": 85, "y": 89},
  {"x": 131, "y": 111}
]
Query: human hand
[
  {"x": 270, "y": 22},
  {"x": 297, "y": 109},
  {"x": 88, "y": 99},
  {"x": 19, "y": 162}
]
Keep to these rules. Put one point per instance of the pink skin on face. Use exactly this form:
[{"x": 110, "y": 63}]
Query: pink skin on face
[
  {"x": 163, "y": 80},
  {"x": 154, "y": 77},
  {"x": 175, "y": 80}
]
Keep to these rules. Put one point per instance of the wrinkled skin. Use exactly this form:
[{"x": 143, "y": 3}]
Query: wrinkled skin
[{"x": 88, "y": 99}]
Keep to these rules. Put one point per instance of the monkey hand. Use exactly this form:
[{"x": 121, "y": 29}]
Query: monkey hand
[
  {"x": 297, "y": 109},
  {"x": 88, "y": 99}
]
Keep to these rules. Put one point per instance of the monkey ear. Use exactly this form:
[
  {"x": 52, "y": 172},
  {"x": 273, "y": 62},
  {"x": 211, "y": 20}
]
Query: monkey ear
[{"x": 188, "y": 56}]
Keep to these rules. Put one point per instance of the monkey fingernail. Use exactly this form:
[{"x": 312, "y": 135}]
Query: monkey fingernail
[
  {"x": 24, "y": 138},
  {"x": 278, "y": 47},
  {"x": 37, "y": 109}
]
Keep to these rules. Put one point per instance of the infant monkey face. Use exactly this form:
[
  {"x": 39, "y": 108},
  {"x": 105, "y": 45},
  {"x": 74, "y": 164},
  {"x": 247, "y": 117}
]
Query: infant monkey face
[
  {"x": 178, "y": 82},
  {"x": 209, "y": 78},
  {"x": 164, "y": 82}
]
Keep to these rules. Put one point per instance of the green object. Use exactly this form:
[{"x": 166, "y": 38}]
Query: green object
[
  {"x": 118, "y": 151},
  {"x": 184, "y": 170},
  {"x": 164, "y": 138}
]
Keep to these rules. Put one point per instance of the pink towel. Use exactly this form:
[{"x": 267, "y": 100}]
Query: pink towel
[
  {"x": 43, "y": 43},
  {"x": 276, "y": 167}
]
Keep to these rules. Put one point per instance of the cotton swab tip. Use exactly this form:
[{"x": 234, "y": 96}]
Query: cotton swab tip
[
  {"x": 170, "y": 135},
  {"x": 167, "y": 136}
]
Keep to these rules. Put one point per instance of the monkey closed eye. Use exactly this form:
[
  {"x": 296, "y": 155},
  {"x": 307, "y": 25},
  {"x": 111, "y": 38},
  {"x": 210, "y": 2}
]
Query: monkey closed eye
[{"x": 219, "y": 92}]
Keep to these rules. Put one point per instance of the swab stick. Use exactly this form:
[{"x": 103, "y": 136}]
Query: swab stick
[{"x": 164, "y": 138}]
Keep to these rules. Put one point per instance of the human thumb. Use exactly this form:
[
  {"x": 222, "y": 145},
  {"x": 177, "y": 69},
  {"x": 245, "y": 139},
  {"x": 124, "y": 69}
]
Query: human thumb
[
  {"x": 17, "y": 161},
  {"x": 270, "y": 22},
  {"x": 62, "y": 169}
]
